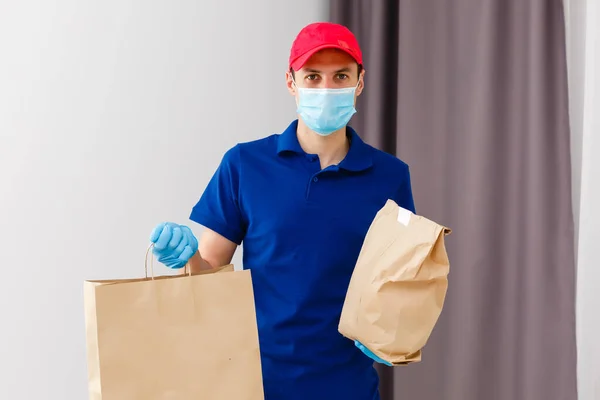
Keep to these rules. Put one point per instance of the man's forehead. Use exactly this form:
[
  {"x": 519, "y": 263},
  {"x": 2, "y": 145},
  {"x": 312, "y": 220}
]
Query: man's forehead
[
  {"x": 330, "y": 60},
  {"x": 331, "y": 55}
]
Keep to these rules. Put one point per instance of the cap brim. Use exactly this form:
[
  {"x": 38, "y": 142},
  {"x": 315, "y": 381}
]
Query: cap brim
[{"x": 300, "y": 61}]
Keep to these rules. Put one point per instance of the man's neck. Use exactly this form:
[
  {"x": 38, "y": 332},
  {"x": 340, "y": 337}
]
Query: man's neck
[{"x": 331, "y": 149}]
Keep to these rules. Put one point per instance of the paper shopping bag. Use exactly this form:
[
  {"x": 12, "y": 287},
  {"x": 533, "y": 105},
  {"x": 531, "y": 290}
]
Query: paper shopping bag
[
  {"x": 183, "y": 337},
  {"x": 398, "y": 287}
]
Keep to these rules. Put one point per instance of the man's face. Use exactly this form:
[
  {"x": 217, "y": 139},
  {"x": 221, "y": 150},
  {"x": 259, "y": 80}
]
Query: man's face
[{"x": 328, "y": 68}]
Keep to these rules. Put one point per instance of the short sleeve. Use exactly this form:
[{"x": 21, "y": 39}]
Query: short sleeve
[
  {"x": 219, "y": 207},
  {"x": 404, "y": 196}
]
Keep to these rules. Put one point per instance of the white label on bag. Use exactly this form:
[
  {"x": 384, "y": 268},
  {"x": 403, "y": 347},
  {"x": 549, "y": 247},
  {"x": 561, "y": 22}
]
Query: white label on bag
[{"x": 404, "y": 216}]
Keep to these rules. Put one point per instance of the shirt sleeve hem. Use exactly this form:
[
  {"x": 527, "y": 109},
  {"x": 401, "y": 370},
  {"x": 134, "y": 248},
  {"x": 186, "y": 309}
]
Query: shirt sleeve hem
[{"x": 217, "y": 226}]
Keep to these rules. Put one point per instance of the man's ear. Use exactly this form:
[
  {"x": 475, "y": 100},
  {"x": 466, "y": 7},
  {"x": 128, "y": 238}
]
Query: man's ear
[
  {"x": 289, "y": 81},
  {"x": 361, "y": 82}
]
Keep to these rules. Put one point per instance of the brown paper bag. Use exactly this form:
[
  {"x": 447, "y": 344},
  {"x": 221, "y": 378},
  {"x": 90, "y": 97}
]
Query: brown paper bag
[
  {"x": 398, "y": 286},
  {"x": 182, "y": 337}
]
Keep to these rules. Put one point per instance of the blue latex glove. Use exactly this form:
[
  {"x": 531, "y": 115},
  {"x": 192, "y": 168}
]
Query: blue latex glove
[
  {"x": 370, "y": 354},
  {"x": 174, "y": 244}
]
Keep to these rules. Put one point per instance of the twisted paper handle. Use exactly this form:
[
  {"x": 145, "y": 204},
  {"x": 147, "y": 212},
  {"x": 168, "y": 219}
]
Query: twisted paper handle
[{"x": 186, "y": 267}]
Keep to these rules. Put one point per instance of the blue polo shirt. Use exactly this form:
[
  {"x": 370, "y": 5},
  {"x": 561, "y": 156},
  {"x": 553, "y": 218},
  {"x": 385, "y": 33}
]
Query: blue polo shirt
[{"x": 302, "y": 229}]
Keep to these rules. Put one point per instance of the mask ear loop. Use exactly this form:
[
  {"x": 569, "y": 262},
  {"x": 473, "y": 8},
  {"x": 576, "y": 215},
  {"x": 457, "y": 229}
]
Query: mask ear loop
[
  {"x": 297, "y": 88},
  {"x": 358, "y": 83}
]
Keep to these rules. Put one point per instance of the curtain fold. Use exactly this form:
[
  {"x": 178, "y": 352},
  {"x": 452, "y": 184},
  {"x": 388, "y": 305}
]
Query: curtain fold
[{"x": 473, "y": 96}]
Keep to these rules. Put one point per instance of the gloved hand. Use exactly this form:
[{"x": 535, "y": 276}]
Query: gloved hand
[
  {"x": 370, "y": 354},
  {"x": 174, "y": 244}
]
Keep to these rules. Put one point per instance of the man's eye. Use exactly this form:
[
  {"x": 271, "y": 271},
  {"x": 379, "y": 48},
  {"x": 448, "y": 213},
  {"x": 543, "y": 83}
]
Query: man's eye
[
  {"x": 342, "y": 76},
  {"x": 312, "y": 77}
]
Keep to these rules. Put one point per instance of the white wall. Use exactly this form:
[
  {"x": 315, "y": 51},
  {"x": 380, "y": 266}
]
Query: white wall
[
  {"x": 575, "y": 40},
  {"x": 583, "y": 44},
  {"x": 588, "y": 295},
  {"x": 113, "y": 116}
]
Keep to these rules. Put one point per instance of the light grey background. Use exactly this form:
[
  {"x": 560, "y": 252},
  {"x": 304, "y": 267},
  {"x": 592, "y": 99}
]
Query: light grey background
[{"x": 113, "y": 116}]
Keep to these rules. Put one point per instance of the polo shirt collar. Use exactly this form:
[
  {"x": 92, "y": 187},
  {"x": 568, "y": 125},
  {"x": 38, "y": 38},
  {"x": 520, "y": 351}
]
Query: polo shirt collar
[
  {"x": 359, "y": 156},
  {"x": 288, "y": 140}
]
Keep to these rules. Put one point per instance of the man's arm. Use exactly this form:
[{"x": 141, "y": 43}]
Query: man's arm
[
  {"x": 219, "y": 212},
  {"x": 404, "y": 195},
  {"x": 214, "y": 251}
]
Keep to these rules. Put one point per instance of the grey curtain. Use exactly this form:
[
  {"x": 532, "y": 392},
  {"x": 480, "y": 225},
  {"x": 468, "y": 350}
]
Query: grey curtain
[{"x": 472, "y": 94}]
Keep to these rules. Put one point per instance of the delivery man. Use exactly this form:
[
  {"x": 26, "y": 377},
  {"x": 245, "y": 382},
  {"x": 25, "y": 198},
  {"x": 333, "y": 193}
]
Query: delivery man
[{"x": 301, "y": 203}]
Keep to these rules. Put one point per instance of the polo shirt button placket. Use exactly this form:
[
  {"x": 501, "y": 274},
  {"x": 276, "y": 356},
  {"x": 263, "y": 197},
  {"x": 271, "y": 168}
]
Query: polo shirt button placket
[{"x": 312, "y": 181}]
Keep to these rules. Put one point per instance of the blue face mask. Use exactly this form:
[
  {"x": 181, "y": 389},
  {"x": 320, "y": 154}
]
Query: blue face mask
[{"x": 326, "y": 110}]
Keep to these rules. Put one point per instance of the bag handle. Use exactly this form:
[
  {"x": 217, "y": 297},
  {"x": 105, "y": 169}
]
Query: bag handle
[{"x": 186, "y": 267}]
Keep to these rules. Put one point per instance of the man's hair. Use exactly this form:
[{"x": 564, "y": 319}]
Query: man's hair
[{"x": 360, "y": 68}]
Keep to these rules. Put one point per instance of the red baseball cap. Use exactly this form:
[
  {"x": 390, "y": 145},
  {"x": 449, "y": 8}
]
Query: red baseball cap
[{"x": 319, "y": 36}]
